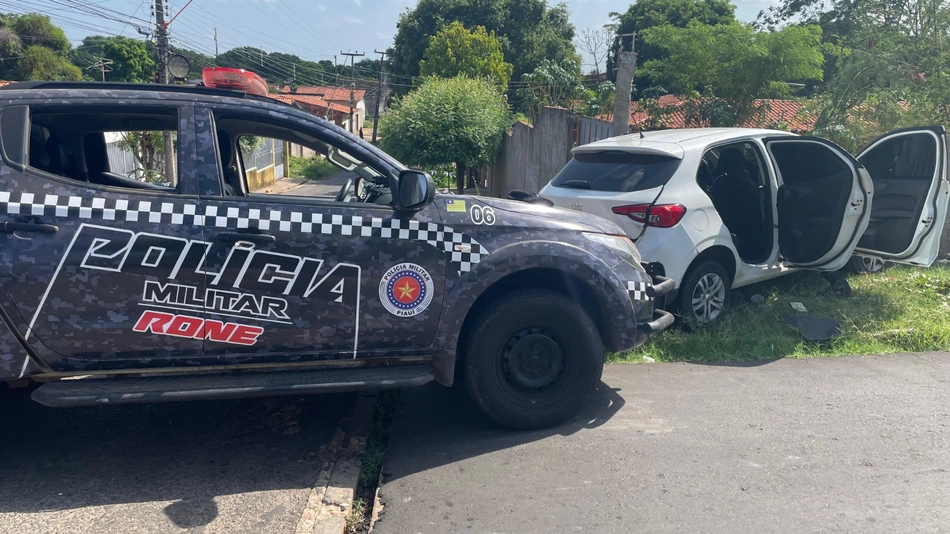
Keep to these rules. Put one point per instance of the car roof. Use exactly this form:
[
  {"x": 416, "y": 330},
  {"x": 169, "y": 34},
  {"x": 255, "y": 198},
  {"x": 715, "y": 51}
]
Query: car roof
[
  {"x": 98, "y": 89},
  {"x": 674, "y": 143}
]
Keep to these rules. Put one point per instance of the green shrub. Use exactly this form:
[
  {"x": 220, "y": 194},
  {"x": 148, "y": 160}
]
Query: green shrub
[{"x": 312, "y": 168}]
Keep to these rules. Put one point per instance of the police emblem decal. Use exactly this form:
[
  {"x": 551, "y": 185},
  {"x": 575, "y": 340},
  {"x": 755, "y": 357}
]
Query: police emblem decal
[{"x": 406, "y": 290}]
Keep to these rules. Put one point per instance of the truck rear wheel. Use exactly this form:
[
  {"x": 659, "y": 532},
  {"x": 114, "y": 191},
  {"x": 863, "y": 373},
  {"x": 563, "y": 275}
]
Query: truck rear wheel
[{"x": 533, "y": 359}]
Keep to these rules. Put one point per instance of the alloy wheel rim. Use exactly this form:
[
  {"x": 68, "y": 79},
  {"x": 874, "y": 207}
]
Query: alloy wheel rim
[
  {"x": 872, "y": 265},
  {"x": 708, "y": 298}
]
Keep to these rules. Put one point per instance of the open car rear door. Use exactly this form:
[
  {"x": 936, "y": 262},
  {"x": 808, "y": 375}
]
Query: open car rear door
[
  {"x": 909, "y": 171},
  {"x": 823, "y": 201}
]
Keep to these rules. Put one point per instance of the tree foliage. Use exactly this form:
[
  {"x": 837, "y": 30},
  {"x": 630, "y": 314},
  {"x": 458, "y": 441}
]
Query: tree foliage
[
  {"x": 275, "y": 67},
  {"x": 41, "y": 63},
  {"x": 645, "y": 14},
  {"x": 552, "y": 84},
  {"x": 32, "y": 48},
  {"x": 447, "y": 120},
  {"x": 732, "y": 65},
  {"x": 529, "y": 31},
  {"x": 455, "y": 51},
  {"x": 132, "y": 61}
]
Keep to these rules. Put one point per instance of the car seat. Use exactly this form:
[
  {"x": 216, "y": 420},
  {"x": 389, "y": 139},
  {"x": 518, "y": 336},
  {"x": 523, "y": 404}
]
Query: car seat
[
  {"x": 233, "y": 185},
  {"x": 737, "y": 198}
]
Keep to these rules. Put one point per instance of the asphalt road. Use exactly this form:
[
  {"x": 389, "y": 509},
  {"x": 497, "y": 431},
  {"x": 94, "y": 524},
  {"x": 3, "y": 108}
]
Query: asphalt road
[
  {"x": 856, "y": 444},
  {"x": 210, "y": 467}
]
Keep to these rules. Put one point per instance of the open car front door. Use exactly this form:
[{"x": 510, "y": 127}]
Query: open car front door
[
  {"x": 823, "y": 201},
  {"x": 909, "y": 171}
]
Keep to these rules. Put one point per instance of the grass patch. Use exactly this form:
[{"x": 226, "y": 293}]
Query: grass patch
[
  {"x": 312, "y": 168},
  {"x": 902, "y": 309},
  {"x": 371, "y": 463}
]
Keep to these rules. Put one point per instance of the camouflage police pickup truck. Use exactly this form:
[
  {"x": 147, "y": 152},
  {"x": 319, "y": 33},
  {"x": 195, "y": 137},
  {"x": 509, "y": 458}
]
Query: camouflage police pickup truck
[{"x": 215, "y": 281}]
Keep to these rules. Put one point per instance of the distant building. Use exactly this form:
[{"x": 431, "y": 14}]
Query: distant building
[
  {"x": 331, "y": 99},
  {"x": 790, "y": 113}
]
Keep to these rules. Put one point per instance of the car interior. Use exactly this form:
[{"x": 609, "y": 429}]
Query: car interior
[
  {"x": 812, "y": 199},
  {"x": 902, "y": 169},
  {"x": 230, "y": 130},
  {"x": 72, "y": 143},
  {"x": 734, "y": 179}
]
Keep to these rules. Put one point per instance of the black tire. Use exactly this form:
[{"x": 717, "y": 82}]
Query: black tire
[
  {"x": 533, "y": 359},
  {"x": 716, "y": 300},
  {"x": 858, "y": 265}
]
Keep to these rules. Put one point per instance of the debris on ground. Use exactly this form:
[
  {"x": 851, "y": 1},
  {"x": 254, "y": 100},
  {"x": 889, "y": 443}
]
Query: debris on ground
[
  {"x": 758, "y": 299},
  {"x": 813, "y": 327},
  {"x": 799, "y": 307},
  {"x": 647, "y": 359}
]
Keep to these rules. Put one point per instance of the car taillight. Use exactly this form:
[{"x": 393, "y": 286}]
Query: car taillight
[{"x": 663, "y": 216}]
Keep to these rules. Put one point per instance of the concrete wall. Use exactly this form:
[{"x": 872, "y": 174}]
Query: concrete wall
[
  {"x": 258, "y": 179},
  {"x": 531, "y": 155}
]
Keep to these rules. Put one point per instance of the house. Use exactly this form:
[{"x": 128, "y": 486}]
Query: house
[
  {"x": 339, "y": 97},
  {"x": 790, "y": 113}
]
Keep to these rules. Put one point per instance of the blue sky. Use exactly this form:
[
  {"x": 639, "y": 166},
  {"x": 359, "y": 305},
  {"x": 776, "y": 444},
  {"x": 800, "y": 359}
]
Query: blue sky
[{"x": 312, "y": 29}]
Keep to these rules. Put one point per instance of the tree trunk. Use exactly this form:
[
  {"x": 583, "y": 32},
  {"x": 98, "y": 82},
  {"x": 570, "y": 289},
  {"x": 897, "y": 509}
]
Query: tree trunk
[{"x": 460, "y": 177}]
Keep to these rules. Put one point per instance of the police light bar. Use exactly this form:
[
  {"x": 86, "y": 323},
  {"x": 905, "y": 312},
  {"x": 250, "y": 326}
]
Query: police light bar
[{"x": 234, "y": 79}]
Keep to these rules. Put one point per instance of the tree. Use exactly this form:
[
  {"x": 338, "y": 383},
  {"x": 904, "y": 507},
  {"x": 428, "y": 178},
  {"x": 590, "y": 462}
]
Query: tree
[
  {"x": 731, "y": 65},
  {"x": 596, "y": 44},
  {"x": 36, "y": 29},
  {"x": 529, "y": 31},
  {"x": 552, "y": 84},
  {"x": 447, "y": 120},
  {"x": 275, "y": 67},
  {"x": 646, "y": 14},
  {"x": 41, "y": 63},
  {"x": 455, "y": 51},
  {"x": 132, "y": 61}
]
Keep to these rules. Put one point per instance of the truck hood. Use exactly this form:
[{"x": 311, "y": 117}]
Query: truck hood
[{"x": 582, "y": 221}]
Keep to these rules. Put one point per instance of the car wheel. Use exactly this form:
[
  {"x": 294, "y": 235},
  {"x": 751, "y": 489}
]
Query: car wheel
[
  {"x": 704, "y": 293},
  {"x": 861, "y": 264},
  {"x": 533, "y": 359}
]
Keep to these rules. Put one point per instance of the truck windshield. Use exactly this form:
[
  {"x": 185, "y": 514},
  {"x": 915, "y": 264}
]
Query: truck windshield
[{"x": 616, "y": 171}]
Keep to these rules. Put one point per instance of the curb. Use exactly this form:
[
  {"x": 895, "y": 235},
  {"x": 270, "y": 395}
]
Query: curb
[{"x": 331, "y": 498}]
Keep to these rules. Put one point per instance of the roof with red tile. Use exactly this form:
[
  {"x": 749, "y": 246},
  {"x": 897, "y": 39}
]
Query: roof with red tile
[
  {"x": 312, "y": 101},
  {"x": 775, "y": 110},
  {"x": 332, "y": 94}
]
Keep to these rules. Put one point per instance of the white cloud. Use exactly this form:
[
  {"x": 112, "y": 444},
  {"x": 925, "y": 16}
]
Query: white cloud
[
  {"x": 321, "y": 8},
  {"x": 347, "y": 19},
  {"x": 359, "y": 3}
]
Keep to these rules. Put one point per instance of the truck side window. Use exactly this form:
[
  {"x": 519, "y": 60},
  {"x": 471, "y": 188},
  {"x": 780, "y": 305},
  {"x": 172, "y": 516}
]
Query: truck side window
[{"x": 101, "y": 147}]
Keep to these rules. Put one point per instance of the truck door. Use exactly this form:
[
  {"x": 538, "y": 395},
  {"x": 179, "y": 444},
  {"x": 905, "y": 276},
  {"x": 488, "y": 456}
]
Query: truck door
[{"x": 96, "y": 232}]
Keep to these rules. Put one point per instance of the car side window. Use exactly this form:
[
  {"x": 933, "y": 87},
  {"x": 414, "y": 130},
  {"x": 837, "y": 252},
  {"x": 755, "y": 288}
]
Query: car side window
[
  {"x": 124, "y": 149},
  {"x": 260, "y": 158},
  {"x": 735, "y": 161}
]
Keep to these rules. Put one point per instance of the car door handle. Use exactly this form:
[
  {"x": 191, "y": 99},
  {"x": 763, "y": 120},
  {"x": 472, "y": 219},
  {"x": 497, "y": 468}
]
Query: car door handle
[
  {"x": 234, "y": 237},
  {"x": 25, "y": 227}
]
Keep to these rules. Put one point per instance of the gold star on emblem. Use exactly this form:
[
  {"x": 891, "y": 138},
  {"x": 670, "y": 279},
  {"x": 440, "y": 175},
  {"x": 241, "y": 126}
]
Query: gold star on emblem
[{"x": 406, "y": 291}]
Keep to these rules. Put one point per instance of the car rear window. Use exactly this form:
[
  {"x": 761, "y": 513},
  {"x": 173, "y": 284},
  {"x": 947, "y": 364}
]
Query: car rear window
[{"x": 616, "y": 171}]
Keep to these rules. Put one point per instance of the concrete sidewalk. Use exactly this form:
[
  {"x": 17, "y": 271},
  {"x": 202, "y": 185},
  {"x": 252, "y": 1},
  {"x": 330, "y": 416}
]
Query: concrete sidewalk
[{"x": 856, "y": 444}]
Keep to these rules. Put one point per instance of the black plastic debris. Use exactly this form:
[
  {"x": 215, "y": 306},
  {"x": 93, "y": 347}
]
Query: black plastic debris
[{"x": 814, "y": 327}]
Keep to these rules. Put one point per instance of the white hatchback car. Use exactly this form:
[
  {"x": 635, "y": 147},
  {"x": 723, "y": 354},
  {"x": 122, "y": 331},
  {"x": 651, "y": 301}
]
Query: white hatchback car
[{"x": 719, "y": 208}]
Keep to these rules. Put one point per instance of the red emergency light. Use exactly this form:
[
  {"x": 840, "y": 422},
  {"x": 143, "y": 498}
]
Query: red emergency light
[{"x": 234, "y": 79}]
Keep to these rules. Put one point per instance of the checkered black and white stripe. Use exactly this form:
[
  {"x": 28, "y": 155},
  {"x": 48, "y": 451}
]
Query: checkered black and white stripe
[
  {"x": 638, "y": 290},
  {"x": 463, "y": 250}
]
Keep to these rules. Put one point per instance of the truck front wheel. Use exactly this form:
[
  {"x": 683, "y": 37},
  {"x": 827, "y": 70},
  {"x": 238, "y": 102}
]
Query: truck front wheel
[{"x": 533, "y": 359}]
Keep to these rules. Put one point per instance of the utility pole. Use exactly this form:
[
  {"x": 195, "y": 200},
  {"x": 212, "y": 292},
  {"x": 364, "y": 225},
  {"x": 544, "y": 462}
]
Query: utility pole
[
  {"x": 216, "y": 45},
  {"x": 626, "y": 68},
  {"x": 353, "y": 56},
  {"x": 161, "y": 39},
  {"x": 379, "y": 91},
  {"x": 103, "y": 65},
  {"x": 262, "y": 56}
]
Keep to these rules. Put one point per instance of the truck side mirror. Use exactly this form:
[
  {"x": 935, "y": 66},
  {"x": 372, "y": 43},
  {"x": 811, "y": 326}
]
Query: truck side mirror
[{"x": 416, "y": 189}]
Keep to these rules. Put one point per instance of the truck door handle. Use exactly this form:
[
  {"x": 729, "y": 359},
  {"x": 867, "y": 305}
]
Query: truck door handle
[
  {"x": 234, "y": 237},
  {"x": 25, "y": 227}
]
